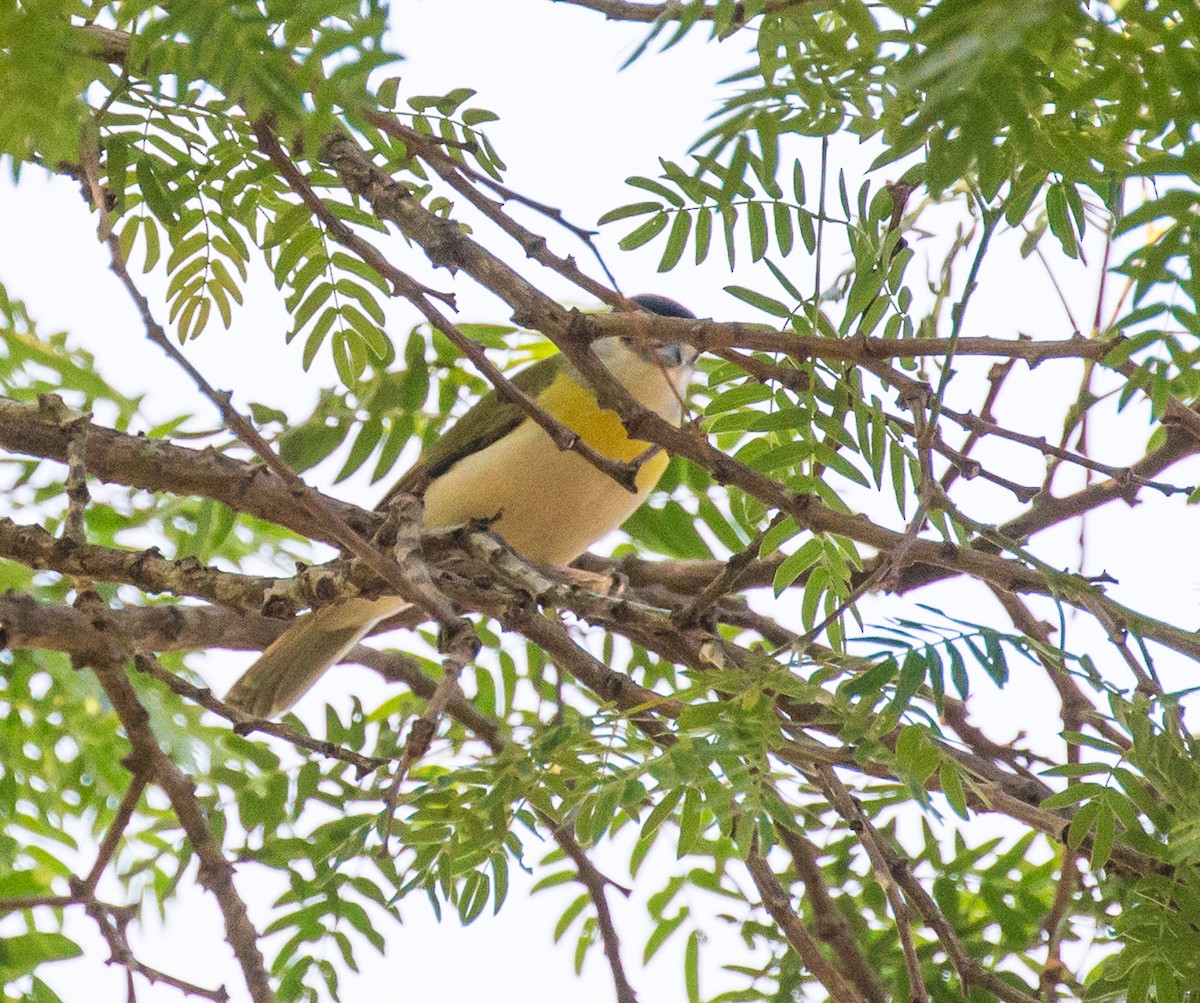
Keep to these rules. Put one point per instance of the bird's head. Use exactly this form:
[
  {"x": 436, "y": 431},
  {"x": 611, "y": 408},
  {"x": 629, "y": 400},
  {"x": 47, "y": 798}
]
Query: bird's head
[
  {"x": 649, "y": 369},
  {"x": 672, "y": 354}
]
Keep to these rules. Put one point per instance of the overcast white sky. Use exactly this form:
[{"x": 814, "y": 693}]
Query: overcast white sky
[{"x": 572, "y": 128}]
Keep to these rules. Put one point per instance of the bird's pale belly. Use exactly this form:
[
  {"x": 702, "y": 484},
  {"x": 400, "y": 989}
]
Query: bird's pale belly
[{"x": 552, "y": 504}]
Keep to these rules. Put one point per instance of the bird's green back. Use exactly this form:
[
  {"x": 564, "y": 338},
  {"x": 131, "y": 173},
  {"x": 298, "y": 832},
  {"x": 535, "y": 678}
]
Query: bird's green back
[{"x": 487, "y": 421}]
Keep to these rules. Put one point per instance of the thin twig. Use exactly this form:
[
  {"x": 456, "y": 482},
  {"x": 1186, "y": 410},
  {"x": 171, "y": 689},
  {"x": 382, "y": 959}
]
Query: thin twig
[
  {"x": 86, "y": 889},
  {"x": 204, "y": 697},
  {"x": 887, "y": 862},
  {"x": 112, "y": 921},
  {"x": 112, "y": 928},
  {"x": 459, "y": 176},
  {"x": 595, "y": 883},
  {"x": 997, "y": 374},
  {"x": 829, "y": 922},
  {"x": 216, "y": 872},
  {"x": 727, "y": 580},
  {"x": 1123, "y": 476},
  {"x": 777, "y": 902}
]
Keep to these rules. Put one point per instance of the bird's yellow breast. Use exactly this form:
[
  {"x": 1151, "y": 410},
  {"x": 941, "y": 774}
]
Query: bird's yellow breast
[
  {"x": 553, "y": 504},
  {"x": 572, "y": 405}
]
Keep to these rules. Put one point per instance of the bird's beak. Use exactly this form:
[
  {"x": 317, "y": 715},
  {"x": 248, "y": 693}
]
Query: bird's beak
[{"x": 675, "y": 354}]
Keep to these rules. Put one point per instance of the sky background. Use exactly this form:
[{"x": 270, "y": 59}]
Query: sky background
[{"x": 571, "y": 129}]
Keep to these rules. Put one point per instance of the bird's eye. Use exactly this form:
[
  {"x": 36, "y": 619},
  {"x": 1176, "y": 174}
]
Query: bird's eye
[{"x": 627, "y": 339}]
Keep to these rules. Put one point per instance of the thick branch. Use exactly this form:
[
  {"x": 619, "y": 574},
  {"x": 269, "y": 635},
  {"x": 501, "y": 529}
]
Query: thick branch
[
  {"x": 43, "y": 429},
  {"x": 97, "y": 634}
]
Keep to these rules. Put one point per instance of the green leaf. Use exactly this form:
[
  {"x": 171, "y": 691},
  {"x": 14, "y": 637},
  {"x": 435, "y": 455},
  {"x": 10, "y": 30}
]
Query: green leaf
[
  {"x": 784, "y": 234},
  {"x": 662, "y": 931},
  {"x": 264, "y": 414},
  {"x": 386, "y": 93},
  {"x": 315, "y": 299},
  {"x": 657, "y": 188},
  {"x": 756, "y": 219},
  {"x": 1082, "y": 823},
  {"x": 1060, "y": 223},
  {"x": 691, "y": 967},
  {"x": 676, "y": 241},
  {"x": 703, "y": 232},
  {"x": 644, "y": 233},
  {"x": 690, "y": 819},
  {"x": 21, "y": 954},
  {"x": 958, "y": 672},
  {"x": 449, "y": 104},
  {"x": 307, "y": 445},
  {"x": 798, "y": 182},
  {"x": 373, "y": 336},
  {"x": 872, "y": 681},
  {"x": 185, "y": 249},
  {"x": 478, "y": 116},
  {"x": 1166, "y": 985},
  {"x": 795, "y": 564},
  {"x": 951, "y": 783},
  {"x": 624, "y": 212},
  {"x": 759, "y": 301},
  {"x": 42, "y": 993},
  {"x": 1073, "y": 795},
  {"x": 499, "y": 880},
  {"x": 364, "y": 444},
  {"x": 153, "y": 192},
  {"x": 474, "y": 896},
  {"x": 661, "y": 812},
  {"x": 570, "y": 914},
  {"x": 1102, "y": 843},
  {"x": 553, "y": 880},
  {"x": 153, "y": 245},
  {"x": 350, "y": 362},
  {"x": 128, "y": 235},
  {"x": 317, "y": 335}
]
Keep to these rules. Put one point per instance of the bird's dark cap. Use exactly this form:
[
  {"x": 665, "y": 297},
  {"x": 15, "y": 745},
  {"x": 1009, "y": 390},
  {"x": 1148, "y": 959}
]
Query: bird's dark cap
[{"x": 662, "y": 305}]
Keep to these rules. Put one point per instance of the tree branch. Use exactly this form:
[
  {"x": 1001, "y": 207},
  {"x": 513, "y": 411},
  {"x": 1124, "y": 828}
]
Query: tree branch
[
  {"x": 43, "y": 429},
  {"x": 777, "y": 902},
  {"x": 646, "y": 13},
  {"x": 216, "y": 872}
]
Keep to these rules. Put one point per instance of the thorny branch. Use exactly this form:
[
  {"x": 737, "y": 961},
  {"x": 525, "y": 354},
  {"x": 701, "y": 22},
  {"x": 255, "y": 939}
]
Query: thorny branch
[{"x": 30, "y": 625}]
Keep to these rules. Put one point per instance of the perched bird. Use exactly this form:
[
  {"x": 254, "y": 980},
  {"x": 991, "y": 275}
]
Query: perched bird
[{"x": 552, "y": 504}]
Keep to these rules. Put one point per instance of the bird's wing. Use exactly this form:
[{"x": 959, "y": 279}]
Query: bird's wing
[{"x": 467, "y": 436}]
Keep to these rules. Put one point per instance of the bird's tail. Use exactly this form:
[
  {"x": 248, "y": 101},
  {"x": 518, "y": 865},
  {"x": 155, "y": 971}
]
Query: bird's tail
[{"x": 302, "y": 653}]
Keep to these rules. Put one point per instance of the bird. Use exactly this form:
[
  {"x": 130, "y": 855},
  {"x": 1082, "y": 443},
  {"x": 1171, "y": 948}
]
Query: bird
[{"x": 495, "y": 463}]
